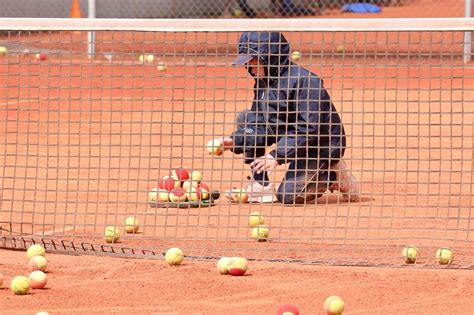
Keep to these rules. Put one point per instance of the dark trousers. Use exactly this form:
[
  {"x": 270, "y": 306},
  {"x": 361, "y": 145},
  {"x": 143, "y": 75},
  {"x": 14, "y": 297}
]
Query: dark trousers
[{"x": 305, "y": 180}]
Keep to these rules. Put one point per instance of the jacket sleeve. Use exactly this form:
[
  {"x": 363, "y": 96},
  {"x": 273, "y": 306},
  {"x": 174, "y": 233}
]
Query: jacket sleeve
[{"x": 310, "y": 97}]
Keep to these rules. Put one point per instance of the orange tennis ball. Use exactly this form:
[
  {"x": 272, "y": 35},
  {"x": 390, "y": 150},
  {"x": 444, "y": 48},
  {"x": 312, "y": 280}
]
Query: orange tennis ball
[
  {"x": 37, "y": 263},
  {"x": 237, "y": 266},
  {"x": 288, "y": 309}
]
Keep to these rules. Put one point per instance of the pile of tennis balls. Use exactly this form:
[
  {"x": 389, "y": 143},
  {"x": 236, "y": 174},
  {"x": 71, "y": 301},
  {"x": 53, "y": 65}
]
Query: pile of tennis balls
[{"x": 37, "y": 265}]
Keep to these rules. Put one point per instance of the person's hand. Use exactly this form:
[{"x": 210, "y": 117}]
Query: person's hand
[{"x": 264, "y": 163}]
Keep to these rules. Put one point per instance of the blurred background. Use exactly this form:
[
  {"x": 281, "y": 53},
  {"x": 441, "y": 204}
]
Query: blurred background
[{"x": 234, "y": 8}]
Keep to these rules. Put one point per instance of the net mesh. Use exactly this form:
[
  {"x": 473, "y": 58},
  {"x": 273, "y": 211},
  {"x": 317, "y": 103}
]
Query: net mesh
[{"x": 84, "y": 140}]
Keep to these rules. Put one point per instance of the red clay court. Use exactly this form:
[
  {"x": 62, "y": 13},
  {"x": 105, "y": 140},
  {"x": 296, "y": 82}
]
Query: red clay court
[{"x": 84, "y": 141}]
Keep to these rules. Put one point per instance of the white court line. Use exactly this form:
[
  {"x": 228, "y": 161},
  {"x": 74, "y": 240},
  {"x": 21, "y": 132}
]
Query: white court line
[{"x": 52, "y": 232}]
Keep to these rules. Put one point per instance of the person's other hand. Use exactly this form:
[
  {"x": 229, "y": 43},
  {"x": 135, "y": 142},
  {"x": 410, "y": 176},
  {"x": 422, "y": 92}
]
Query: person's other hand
[{"x": 264, "y": 163}]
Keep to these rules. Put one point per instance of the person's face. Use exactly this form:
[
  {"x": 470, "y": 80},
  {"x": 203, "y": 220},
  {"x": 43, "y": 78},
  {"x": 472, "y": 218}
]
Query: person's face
[{"x": 256, "y": 68}]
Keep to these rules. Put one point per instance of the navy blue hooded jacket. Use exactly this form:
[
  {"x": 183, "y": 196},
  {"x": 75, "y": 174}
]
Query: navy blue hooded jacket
[{"x": 291, "y": 107}]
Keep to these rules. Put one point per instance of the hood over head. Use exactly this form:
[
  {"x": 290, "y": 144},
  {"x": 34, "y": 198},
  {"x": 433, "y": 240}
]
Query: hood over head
[{"x": 271, "y": 48}]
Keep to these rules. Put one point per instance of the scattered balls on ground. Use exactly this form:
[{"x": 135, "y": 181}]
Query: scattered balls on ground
[
  {"x": 41, "y": 57},
  {"x": 223, "y": 265},
  {"x": 340, "y": 49},
  {"x": 260, "y": 232},
  {"x": 111, "y": 234},
  {"x": 174, "y": 256},
  {"x": 256, "y": 219},
  {"x": 237, "y": 12},
  {"x": 295, "y": 56},
  {"x": 334, "y": 305},
  {"x": 35, "y": 250},
  {"x": 161, "y": 66},
  {"x": 445, "y": 256},
  {"x": 237, "y": 266},
  {"x": 3, "y": 50},
  {"x": 410, "y": 253},
  {"x": 288, "y": 309},
  {"x": 37, "y": 279},
  {"x": 132, "y": 225},
  {"x": 37, "y": 263},
  {"x": 20, "y": 285}
]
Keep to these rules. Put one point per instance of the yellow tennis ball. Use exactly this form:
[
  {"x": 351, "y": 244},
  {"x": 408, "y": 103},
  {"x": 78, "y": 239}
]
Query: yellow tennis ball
[
  {"x": 340, "y": 49},
  {"x": 20, "y": 285},
  {"x": 295, "y": 56},
  {"x": 410, "y": 253},
  {"x": 444, "y": 255},
  {"x": 260, "y": 232},
  {"x": 256, "y": 219},
  {"x": 223, "y": 265},
  {"x": 174, "y": 256},
  {"x": 111, "y": 234},
  {"x": 35, "y": 250},
  {"x": 132, "y": 225},
  {"x": 3, "y": 50},
  {"x": 334, "y": 305}
]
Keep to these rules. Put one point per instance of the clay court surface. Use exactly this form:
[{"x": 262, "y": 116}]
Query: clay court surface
[
  {"x": 85, "y": 141},
  {"x": 88, "y": 284}
]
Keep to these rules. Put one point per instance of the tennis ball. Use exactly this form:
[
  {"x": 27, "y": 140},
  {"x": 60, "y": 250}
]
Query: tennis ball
[
  {"x": 196, "y": 176},
  {"x": 260, "y": 232},
  {"x": 197, "y": 194},
  {"x": 37, "y": 279},
  {"x": 41, "y": 57},
  {"x": 288, "y": 309},
  {"x": 187, "y": 184},
  {"x": 223, "y": 265},
  {"x": 20, "y": 285},
  {"x": 295, "y": 56},
  {"x": 238, "y": 12},
  {"x": 37, "y": 263},
  {"x": 161, "y": 66},
  {"x": 174, "y": 256},
  {"x": 181, "y": 173},
  {"x": 169, "y": 182},
  {"x": 35, "y": 250},
  {"x": 444, "y": 255},
  {"x": 111, "y": 234},
  {"x": 334, "y": 305},
  {"x": 340, "y": 49},
  {"x": 237, "y": 266},
  {"x": 240, "y": 195},
  {"x": 178, "y": 195},
  {"x": 214, "y": 147},
  {"x": 3, "y": 50},
  {"x": 132, "y": 225},
  {"x": 256, "y": 219},
  {"x": 410, "y": 253},
  {"x": 146, "y": 58}
]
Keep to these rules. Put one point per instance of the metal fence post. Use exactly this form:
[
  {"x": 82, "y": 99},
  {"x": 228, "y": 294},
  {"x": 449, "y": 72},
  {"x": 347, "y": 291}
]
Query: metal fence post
[
  {"x": 467, "y": 35},
  {"x": 91, "y": 35}
]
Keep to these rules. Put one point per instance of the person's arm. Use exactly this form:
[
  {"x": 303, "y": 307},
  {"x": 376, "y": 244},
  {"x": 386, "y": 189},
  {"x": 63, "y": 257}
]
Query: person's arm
[{"x": 311, "y": 98}]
